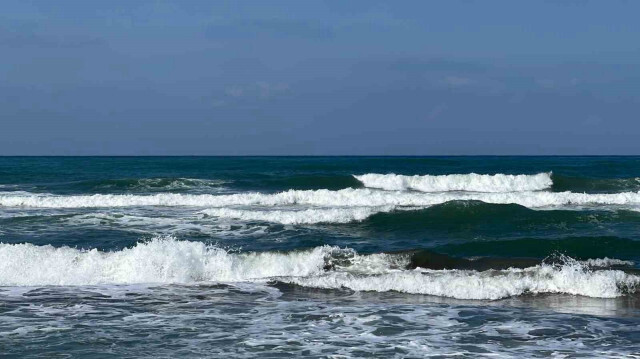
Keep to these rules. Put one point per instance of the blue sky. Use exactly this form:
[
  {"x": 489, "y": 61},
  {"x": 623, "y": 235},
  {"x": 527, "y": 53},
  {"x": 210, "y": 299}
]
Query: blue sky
[{"x": 319, "y": 77}]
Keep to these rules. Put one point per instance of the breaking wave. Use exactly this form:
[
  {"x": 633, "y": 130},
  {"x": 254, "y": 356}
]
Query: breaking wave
[
  {"x": 471, "y": 182},
  {"x": 361, "y": 197},
  {"x": 172, "y": 261},
  {"x": 156, "y": 261},
  {"x": 572, "y": 278}
]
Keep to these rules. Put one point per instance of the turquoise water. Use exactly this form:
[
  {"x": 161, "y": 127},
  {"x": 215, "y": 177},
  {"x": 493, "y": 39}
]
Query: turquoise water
[{"x": 319, "y": 256}]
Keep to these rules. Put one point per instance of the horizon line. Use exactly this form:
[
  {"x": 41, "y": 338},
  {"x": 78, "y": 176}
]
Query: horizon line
[{"x": 239, "y": 156}]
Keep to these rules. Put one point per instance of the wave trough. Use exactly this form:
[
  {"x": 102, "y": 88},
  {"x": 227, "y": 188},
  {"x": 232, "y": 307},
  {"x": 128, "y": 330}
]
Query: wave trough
[{"x": 306, "y": 216}]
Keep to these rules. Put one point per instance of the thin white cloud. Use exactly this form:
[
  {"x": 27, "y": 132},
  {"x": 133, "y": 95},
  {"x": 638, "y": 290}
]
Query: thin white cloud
[
  {"x": 234, "y": 91},
  {"x": 259, "y": 89},
  {"x": 457, "y": 81},
  {"x": 269, "y": 89}
]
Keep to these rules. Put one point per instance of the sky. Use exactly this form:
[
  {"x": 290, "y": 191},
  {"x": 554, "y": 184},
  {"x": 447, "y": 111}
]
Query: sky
[{"x": 447, "y": 77}]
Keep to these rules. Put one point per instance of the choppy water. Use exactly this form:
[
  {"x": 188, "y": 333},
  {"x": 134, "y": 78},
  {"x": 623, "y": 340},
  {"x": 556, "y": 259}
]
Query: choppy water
[{"x": 320, "y": 257}]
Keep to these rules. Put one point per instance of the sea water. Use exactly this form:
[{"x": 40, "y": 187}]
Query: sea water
[{"x": 320, "y": 257}]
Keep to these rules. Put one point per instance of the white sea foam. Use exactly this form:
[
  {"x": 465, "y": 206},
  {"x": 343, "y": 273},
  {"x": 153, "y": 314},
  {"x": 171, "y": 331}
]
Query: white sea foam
[
  {"x": 186, "y": 223},
  {"x": 305, "y": 216},
  {"x": 458, "y": 182},
  {"x": 177, "y": 183},
  {"x": 124, "y": 220},
  {"x": 573, "y": 279},
  {"x": 172, "y": 261},
  {"x": 157, "y": 261},
  {"x": 143, "y": 224},
  {"x": 183, "y": 181},
  {"x": 607, "y": 262},
  {"x": 362, "y": 197},
  {"x": 164, "y": 184}
]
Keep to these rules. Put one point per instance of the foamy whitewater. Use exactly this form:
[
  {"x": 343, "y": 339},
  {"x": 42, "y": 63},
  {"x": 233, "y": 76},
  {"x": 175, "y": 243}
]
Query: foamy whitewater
[
  {"x": 337, "y": 206},
  {"x": 458, "y": 182},
  {"x": 509, "y": 257},
  {"x": 341, "y": 198},
  {"x": 172, "y": 261}
]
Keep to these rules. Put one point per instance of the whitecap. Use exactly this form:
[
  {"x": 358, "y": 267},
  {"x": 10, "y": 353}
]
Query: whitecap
[{"x": 458, "y": 182}]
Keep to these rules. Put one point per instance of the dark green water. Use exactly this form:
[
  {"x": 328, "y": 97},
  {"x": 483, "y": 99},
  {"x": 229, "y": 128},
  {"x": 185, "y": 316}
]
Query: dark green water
[{"x": 300, "y": 256}]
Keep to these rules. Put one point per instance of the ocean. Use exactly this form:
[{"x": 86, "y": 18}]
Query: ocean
[{"x": 319, "y": 257}]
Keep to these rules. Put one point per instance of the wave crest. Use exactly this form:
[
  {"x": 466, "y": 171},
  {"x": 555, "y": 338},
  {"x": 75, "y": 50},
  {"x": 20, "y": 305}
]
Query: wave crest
[{"x": 471, "y": 182}]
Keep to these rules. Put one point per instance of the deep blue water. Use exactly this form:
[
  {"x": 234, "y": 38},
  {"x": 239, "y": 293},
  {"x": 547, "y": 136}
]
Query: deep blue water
[{"x": 319, "y": 256}]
